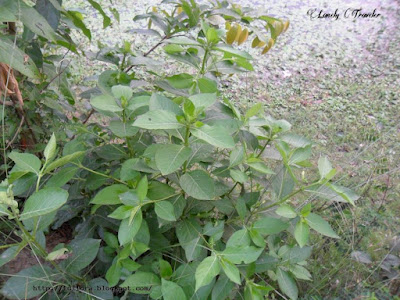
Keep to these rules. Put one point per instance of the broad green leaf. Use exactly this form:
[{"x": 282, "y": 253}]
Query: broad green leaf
[
  {"x": 301, "y": 233},
  {"x": 295, "y": 139},
  {"x": 300, "y": 272},
  {"x": 50, "y": 150},
  {"x": 158, "y": 190},
  {"x": 26, "y": 161},
  {"x": 128, "y": 170},
  {"x": 231, "y": 271},
  {"x": 129, "y": 264},
  {"x": 142, "y": 188},
  {"x": 165, "y": 210},
  {"x": 145, "y": 31},
  {"x": 171, "y": 157},
  {"x": 324, "y": 166},
  {"x": 333, "y": 192},
  {"x": 251, "y": 292},
  {"x": 127, "y": 230},
  {"x": 49, "y": 12},
  {"x": 295, "y": 254},
  {"x": 63, "y": 161},
  {"x": 260, "y": 167},
  {"x": 106, "y": 19},
  {"x": 173, "y": 48},
  {"x": 282, "y": 182},
  {"x": 181, "y": 81},
  {"x": 189, "y": 109},
  {"x": 214, "y": 135},
  {"x": 179, "y": 204},
  {"x": 105, "y": 103},
  {"x": 238, "y": 176},
  {"x": 113, "y": 274},
  {"x": 192, "y": 11},
  {"x": 122, "y": 129},
  {"x": 214, "y": 229},
  {"x": 182, "y": 40},
  {"x": 239, "y": 254},
  {"x": 231, "y": 126},
  {"x": 189, "y": 236},
  {"x": 287, "y": 284},
  {"x": 212, "y": 35},
  {"x": 165, "y": 268},
  {"x": 141, "y": 281},
  {"x": 171, "y": 290},
  {"x": 158, "y": 119},
  {"x": 111, "y": 240},
  {"x": 300, "y": 154},
  {"x": 122, "y": 212},
  {"x": 198, "y": 184},
  {"x": 320, "y": 225},
  {"x": 257, "y": 238},
  {"x": 236, "y": 157},
  {"x": 207, "y": 85},
  {"x": 21, "y": 286},
  {"x": 8, "y": 255},
  {"x": 7, "y": 15},
  {"x": 254, "y": 110},
  {"x": 160, "y": 102},
  {"x": 203, "y": 100},
  {"x": 232, "y": 51},
  {"x": 100, "y": 289},
  {"x": 77, "y": 19},
  {"x": 241, "y": 208},
  {"x": 44, "y": 202},
  {"x": 222, "y": 288},
  {"x": 269, "y": 225},
  {"x": 138, "y": 102},
  {"x": 239, "y": 238},
  {"x": 206, "y": 271},
  {"x": 83, "y": 253},
  {"x": 286, "y": 211},
  {"x": 266, "y": 263},
  {"x": 17, "y": 59},
  {"x": 110, "y": 195},
  {"x": 347, "y": 194}
]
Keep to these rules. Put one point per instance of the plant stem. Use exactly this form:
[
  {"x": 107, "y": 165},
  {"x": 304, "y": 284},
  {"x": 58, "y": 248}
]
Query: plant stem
[
  {"x": 301, "y": 189},
  {"x": 8, "y": 246},
  {"x": 186, "y": 145},
  {"x": 100, "y": 174},
  {"x": 204, "y": 62},
  {"x": 123, "y": 63}
]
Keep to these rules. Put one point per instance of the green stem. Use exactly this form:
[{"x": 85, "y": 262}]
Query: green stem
[
  {"x": 38, "y": 181},
  {"x": 100, "y": 174},
  {"x": 123, "y": 63},
  {"x": 301, "y": 189},
  {"x": 186, "y": 145},
  {"x": 9, "y": 245},
  {"x": 203, "y": 66}
]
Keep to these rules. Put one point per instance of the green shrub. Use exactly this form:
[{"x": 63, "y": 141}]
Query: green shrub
[{"x": 182, "y": 195}]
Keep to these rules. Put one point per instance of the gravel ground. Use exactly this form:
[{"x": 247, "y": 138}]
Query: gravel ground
[{"x": 312, "y": 47}]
